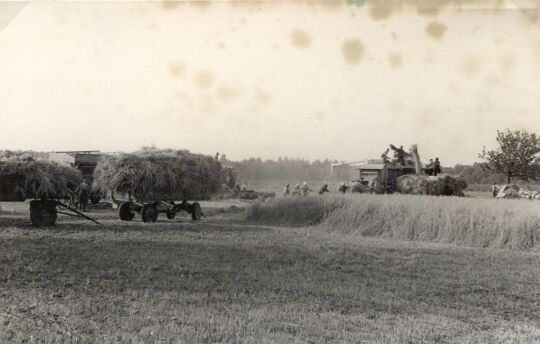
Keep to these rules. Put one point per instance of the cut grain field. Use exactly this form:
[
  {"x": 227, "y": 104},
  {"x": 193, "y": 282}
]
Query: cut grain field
[{"x": 227, "y": 280}]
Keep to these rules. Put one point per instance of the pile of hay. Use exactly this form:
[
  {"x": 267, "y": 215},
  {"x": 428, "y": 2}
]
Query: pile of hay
[
  {"x": 440, "y": 185},
  {"x": 152, "y": 174},
  {"x": 357, "y": 187},
  {"x": 21, "y": 179}
]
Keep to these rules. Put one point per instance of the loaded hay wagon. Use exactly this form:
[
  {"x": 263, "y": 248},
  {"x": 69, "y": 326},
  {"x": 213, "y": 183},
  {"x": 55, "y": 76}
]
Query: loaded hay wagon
[
  {"x": 45, "y": 183},
  {"x": 151, "y": 181}
]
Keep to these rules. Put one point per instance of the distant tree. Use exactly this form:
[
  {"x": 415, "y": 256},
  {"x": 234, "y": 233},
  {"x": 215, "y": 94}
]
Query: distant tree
[{"x": 516, "y": 155}]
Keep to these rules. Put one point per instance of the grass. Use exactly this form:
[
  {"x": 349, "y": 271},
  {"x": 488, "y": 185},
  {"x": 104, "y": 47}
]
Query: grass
[
  {"x": 513, "y": 224},
  {"x": 224, "y": 280}
]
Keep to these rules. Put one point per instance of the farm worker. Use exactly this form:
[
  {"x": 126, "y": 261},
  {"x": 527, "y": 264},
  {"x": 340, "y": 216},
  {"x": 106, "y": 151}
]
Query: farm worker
[
  {"x": 296, "y": 190},
  {"x": 436, "y": 167},
  {"x": 399, "y": 154},
  {"x": 84, "y": 193},
  {"x": 324, "y": 189},
  {"x": 494, "y": 190},
  {"x": 236, "y": 189},
  {"x": 305, "y": 189},
  {"x": 286, "y": 191},
  {"x": 384, "y": 156}
]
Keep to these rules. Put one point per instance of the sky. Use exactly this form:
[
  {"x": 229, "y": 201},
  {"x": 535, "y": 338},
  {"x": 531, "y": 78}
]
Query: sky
[{"x": 313, "y": 80}]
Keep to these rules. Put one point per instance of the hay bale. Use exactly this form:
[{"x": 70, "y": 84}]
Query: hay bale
[
  {"x": 358, "y": 187},
  {"x": 152, "y": 174},
  {"x": 440, "y": 185},
  {"x": 23, "y": 179},
  {"x": 412, "y": 184}
]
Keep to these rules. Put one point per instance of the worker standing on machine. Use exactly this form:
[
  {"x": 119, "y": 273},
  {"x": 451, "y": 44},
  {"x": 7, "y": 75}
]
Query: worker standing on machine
[{"x": 436, "y": 167}]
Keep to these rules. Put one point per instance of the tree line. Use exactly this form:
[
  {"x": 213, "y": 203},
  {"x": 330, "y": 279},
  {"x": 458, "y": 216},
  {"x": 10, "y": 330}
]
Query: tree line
[{"x": 282, "y": 169}]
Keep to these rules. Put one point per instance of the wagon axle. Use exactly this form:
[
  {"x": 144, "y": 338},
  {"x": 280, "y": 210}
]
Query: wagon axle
[{"x": 150, "y": 211}]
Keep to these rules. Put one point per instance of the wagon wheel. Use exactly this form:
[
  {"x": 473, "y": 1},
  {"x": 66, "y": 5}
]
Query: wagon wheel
[
  {"x": 149, "y": 213},
  {"x": 95, "y": 197},
  {"x": 125, "y": 212},
  {"x": 171, "y": 214},
  {"x": 43, "y": 213},
  {"x": 377, "y": 187},
  {"x": 196, "y": 212}
]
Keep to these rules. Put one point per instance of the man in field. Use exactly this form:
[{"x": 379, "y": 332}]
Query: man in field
[
  {"x": 84, "y": 194},
  {"x": 324, "y": 189},
  {"x": 297, "y": 190},
  {"x": 287, "y": 190},
  {"x": 494, "y": 190},
  {"x": 436, "y": 167},
  {"x": 305, "y": 189}
]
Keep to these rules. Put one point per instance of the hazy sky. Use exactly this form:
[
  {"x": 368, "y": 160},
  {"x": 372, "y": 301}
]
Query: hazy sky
[{"x": 316, "y": 80}]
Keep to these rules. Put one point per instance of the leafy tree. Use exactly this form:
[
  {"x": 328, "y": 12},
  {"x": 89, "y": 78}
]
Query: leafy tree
[{"x": 516, "y": 155}]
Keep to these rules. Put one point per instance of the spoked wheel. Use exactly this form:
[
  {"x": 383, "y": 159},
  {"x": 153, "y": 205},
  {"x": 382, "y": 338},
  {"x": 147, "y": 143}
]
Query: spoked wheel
[
  {"x": 126, "y": 212},
  {"x": 149, "y": 213},
  {"x": 196, "y": 212},
  {"x": 171, "y": 214},
  {"x": 95, "y": 197},
  {"x": 43, "y": 213}
]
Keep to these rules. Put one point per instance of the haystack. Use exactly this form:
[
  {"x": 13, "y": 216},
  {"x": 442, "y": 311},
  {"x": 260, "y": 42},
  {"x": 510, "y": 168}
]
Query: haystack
[
  {"x": 152, "y": 174},
  {"x": 25, "y": 178},
  {"x": 440, "y": 185}
]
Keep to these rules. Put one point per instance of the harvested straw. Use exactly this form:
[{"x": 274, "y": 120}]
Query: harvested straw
[
  {"x": 22, "y": 179},
  {"x": 441, "y": 185},
  {"x": 152, "y": 174}
]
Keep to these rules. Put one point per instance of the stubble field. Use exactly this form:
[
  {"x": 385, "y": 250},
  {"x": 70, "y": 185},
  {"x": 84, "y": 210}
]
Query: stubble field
[{"x": 229, "y": 280}]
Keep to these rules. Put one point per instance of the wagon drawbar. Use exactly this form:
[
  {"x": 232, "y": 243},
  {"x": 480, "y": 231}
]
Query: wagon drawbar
[{"x": 44, "y": 212}]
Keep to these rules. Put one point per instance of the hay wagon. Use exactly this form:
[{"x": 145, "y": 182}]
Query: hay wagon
[
  {"x": 150, "y": 182},
  {"x": 43, "y": 210}
]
